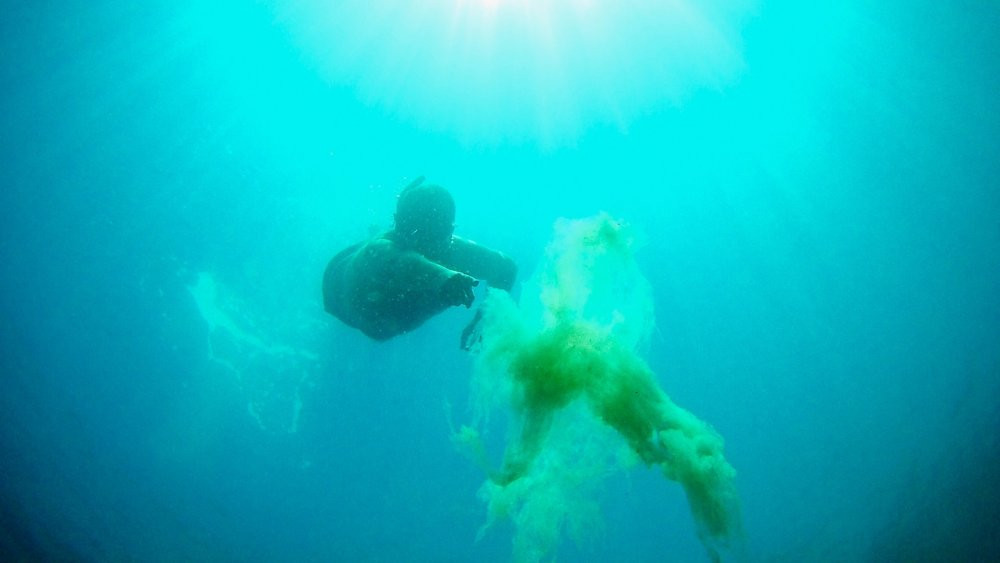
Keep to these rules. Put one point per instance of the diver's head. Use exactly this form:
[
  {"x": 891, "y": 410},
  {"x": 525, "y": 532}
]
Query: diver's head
[{"x": 425, "y": 218}]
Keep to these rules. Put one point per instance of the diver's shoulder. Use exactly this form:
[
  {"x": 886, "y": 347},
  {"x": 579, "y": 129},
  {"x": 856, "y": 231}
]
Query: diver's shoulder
[{"x": 382, "y": 246}]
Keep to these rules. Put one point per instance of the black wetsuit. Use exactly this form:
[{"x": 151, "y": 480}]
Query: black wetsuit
[{"x": 384, "y": 289}]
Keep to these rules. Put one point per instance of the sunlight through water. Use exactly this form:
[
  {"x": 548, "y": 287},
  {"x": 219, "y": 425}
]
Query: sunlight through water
[{"x": 535, "y": 71}]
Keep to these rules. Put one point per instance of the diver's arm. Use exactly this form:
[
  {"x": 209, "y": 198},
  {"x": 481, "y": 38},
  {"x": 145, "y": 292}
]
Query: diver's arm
[
  {"x": 442, "y": 286},
  {"x": 480, "y": 262}
]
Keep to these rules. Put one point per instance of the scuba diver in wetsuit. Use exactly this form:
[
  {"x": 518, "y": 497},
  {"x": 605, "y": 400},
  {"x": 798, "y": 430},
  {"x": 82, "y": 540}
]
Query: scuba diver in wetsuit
[{"x": 394, "y": 282}]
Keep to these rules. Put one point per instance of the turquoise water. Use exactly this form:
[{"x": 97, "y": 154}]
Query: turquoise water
[{"x": 814, "y": 186}]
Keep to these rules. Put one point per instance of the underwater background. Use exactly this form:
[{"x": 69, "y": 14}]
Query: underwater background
[{"x": 813, "y": 184}]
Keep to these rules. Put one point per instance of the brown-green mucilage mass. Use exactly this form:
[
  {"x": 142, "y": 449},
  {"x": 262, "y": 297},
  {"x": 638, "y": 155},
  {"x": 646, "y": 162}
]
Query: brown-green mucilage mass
[{"x": 595, "y": 310}]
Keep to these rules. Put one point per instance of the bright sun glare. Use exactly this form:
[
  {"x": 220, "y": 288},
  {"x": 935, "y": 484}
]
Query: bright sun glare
[{"x": 538, "y": 71}]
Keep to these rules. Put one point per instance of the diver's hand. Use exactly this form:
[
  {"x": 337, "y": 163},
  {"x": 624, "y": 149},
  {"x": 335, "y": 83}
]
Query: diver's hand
[{"x": 458, "y": 290}]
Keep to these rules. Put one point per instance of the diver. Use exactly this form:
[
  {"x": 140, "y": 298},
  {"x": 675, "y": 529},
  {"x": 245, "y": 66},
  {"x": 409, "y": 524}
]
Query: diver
[{"x": 394, "y": 282}]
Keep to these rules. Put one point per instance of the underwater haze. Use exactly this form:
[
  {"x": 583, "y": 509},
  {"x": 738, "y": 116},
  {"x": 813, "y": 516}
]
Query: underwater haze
[{"x": 785, "y": 214}]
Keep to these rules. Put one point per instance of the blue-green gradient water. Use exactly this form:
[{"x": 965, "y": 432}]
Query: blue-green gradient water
[{"x": 815, "y": 184}]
